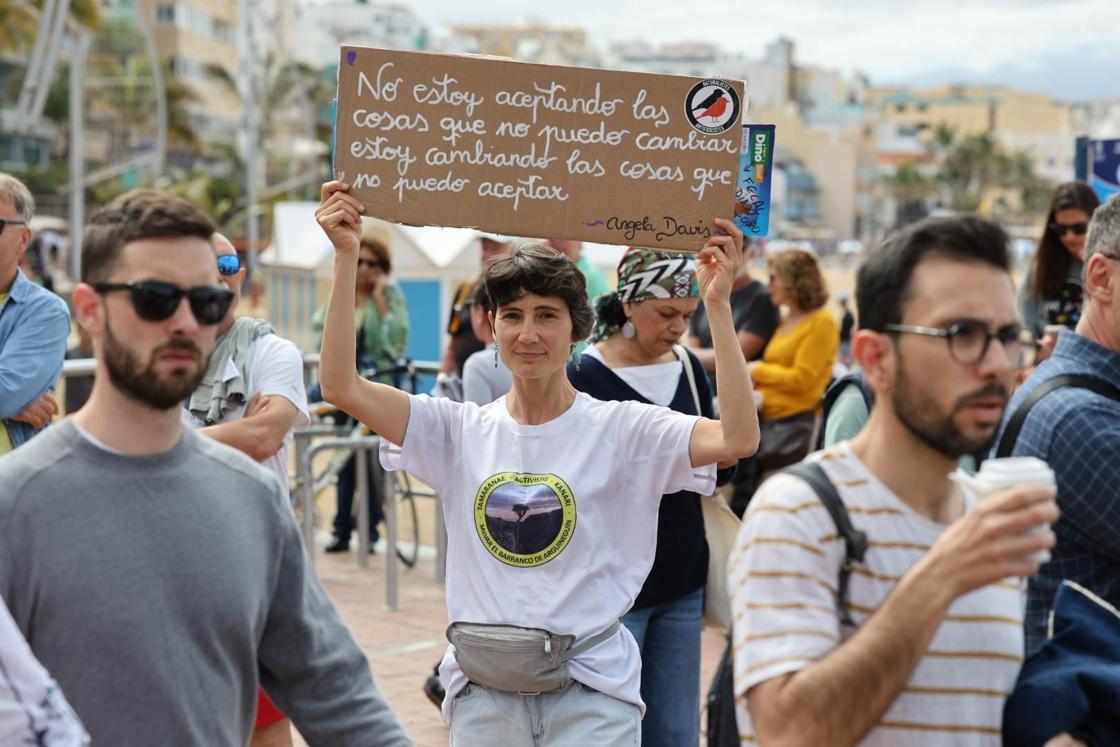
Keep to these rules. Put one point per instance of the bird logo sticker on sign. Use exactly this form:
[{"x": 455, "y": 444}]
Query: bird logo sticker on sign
[{"x": 712, "y": 106}]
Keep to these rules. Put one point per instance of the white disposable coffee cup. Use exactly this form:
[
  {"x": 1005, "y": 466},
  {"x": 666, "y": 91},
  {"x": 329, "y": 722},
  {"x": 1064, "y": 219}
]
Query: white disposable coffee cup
[{"x": 999, "y": 475}]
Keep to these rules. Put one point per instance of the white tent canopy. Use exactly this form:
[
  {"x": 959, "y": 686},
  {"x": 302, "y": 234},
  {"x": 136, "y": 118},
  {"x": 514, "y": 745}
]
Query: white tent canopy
[{"x": 418, "y": 252}]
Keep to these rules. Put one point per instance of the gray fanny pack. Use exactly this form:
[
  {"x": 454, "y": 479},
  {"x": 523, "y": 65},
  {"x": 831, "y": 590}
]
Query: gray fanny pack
[{"x": 515, "y": 659}]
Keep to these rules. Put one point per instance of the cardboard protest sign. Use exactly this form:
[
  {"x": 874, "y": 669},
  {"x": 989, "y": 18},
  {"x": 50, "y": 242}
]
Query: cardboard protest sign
[{"x": 538, "y": 150}]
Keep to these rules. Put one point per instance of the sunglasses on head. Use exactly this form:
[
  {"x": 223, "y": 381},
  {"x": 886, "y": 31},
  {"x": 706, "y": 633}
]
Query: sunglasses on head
[
  {"x": 1079, "y": 229},
  {"x": 154, "y": 301},
  {"x": 229, "y": 264}
]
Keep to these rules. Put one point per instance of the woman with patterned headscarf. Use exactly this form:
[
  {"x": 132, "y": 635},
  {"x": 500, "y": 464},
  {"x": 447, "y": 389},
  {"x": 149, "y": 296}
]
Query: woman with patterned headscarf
[{"x": 636, "y": 355}]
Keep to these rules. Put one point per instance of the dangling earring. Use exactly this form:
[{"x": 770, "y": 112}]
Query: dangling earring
[
  {"x": 574, "y": 356},
  {"x": 628, "y": 330},
  {"x": 495, "y": 353}
]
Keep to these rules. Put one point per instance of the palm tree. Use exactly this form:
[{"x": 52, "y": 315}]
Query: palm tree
[
  {"x": 121, "y": 103},
  {"x": 18, "y": 23},
  {"x": 910, "y": 190}
]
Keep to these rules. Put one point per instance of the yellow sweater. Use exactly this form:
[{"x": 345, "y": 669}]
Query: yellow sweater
[{"x": 797, "y": 366}]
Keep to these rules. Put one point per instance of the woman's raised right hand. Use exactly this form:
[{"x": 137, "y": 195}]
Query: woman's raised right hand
[{"x": 340, "y": 216}]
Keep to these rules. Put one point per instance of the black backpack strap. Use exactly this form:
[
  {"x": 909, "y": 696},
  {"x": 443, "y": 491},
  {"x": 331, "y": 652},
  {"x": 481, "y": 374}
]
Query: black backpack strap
[
  {"x": 1016, "y": 421},
  {"x": 855, "y": 541}
]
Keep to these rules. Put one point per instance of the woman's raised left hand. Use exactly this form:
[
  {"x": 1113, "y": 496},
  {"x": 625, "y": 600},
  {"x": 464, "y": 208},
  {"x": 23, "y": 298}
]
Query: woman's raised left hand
[{"x": 718, "y": 263}]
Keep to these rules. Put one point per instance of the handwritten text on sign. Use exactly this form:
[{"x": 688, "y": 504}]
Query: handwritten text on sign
[{"x": 538, "y": 150}]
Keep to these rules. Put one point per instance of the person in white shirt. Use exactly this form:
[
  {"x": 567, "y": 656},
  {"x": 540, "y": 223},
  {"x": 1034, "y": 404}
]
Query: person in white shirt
[
  {"x": 259, "y": 402},
  {"x": 933, "y": 640},
  {"x": 550, "y": 497},
  {"x": 252, "y": 398}
]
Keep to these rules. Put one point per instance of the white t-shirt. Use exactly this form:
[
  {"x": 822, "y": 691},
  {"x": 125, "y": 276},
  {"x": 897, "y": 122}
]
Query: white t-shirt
[
  {"x": 275, "y": 368},
  {"x": 551, "y": 526},
  {"x": 783, "y": 575},
  {"x": 33, "y": 709},
  {"x": 657, "y": 382}
]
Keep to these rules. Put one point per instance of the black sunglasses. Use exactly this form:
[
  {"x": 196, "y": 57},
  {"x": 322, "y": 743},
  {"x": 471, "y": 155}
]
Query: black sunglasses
[
  {"x": 154, "y": 301},
  {"x": 1078, "y": 229}
]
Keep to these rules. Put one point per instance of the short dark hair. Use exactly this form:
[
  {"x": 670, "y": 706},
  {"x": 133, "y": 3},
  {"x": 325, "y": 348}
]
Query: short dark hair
[
  {"x": 480, "y": 297},
  {"x": 381, "y": 254},
  {"x": 883, "y": 280},
  {"x": 139, "y": 214},
  {"x": 541, "y": 270}
]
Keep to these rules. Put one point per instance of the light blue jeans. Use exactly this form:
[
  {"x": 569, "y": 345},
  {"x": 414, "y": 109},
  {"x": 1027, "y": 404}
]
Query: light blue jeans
[
  {"x": 576, "y": 716},
  {"x": 668, "y": 636}
]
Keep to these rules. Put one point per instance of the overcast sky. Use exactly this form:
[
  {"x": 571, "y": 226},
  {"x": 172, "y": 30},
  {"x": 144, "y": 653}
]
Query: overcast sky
[{"x": 1068, "y": 48}]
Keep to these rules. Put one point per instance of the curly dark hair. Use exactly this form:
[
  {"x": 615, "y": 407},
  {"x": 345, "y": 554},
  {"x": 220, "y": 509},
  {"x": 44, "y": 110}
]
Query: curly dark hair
[
  {"x": 801, "y": 275},
  {"x": 541, "y": 270}
]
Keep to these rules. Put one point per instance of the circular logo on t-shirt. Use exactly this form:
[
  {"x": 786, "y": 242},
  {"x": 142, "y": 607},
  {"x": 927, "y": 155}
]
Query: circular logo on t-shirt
[
  {"x": 524, "y": 520},
  {"x": 712, "y": 106}
]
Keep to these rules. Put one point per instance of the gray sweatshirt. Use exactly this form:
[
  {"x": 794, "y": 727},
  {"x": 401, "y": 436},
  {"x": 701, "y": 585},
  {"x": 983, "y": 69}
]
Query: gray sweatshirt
[{"x": 157, "y": 589}]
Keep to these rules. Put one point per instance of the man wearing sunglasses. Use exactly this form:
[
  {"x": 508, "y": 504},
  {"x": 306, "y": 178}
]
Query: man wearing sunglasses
[
  {"x": 1077, "y": 432},
  {"x": 252, "y": 396},
  {"x": 926, "y": 641},
  {"x": 34, "y": 325},
  {"x": 252, "y": 399},
  {"x": 160, "y": 575}
]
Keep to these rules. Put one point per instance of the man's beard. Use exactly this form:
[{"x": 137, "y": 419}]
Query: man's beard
[
  {"x": 144, "y": 385},
  {"x": 934, "y": 427}
]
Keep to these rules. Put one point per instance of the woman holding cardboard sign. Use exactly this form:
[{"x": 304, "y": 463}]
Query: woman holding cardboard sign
[{"x": 550, "y": 496}]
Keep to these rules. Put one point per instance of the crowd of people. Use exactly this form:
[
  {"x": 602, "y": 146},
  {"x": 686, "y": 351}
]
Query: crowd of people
[{"x": 155, "y": 583}]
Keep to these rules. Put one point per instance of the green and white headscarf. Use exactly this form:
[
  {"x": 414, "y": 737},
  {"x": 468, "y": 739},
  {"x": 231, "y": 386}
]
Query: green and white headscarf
[{"x": 644, "y": 274}]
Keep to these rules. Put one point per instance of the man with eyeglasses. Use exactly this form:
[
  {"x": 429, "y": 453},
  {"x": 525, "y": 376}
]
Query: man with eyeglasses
[
  {"x": 157, "y": 574},
  {"x": 1077, "y": 432},
  {"x": 925, "y": 643},
  {"x": 34, "y": 325},
  {"x": 252, "y": 399}
]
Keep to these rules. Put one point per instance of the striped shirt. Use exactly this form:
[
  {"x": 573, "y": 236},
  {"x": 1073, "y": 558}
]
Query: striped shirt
[{"x": 784, "y": 575}]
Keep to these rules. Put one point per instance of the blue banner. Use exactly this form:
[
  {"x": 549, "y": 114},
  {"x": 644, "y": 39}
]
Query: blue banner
[
  {"x": 1106, "y": 168},
  {"x": 756, "y": 165}
]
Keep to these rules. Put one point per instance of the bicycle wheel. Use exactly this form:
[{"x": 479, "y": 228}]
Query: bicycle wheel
[{"x": 408, "y": 521}]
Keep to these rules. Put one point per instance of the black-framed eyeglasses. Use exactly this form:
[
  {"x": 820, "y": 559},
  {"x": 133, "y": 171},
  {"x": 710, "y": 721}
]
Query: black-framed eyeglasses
[
  {"x": 154, "y": 301},
  {"x": 229, "y": 264},
  {"x": 4, "y": 223},
  {"x": 1079, "y": 229},
  {"x": 968, "y": 339}
]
